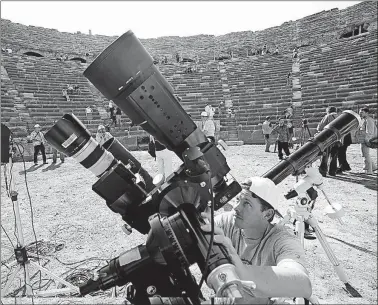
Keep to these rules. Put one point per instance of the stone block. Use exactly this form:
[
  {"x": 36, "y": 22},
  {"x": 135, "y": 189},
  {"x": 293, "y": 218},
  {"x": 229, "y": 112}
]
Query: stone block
[
  {"x": 250, "y": 90},
  {"x": 223, "y": 134},
  {"x": 224, "y": 85},
  {"x": 267, "y": 105},
  {"x": 28, "y": 95},
  {"x": 128, "y": 141},
  {"x": 347, "y": 61},
  {"x": 241, "y": 83},
  {"x": 257, "y": 137},
  {"x": 326, "y": 49},
  {"x": 361, "y": 53},
  {"x": 356, "y": 93},
  {"x": 245, "y": 136},
  {"x": 348, "y": 103},
  {"x": 323, "y": 82},
  {"x": 297, "y": 104},
  {"x": 297, "y": 95},
  {"x": 194, "y": 94},
  {"x": 226, "y": 90},
  {"x": 228, "y": 103},
  {"x": 266, "y": 89},
  {"x": 204, "y": 84}
]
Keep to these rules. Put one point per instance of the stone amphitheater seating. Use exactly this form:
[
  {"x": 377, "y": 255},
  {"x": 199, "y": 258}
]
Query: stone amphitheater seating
[{"x": 342, "y": 74}]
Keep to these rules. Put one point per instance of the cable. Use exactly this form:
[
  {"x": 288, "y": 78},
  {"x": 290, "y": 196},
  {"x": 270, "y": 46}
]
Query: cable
[
  {"x": 29, "y": 197},
  {"x": 211, "y": 241},
  {"x": 8, "y": 236}
]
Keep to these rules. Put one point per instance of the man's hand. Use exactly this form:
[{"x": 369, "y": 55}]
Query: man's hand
[{"x": 220, "y": 239}]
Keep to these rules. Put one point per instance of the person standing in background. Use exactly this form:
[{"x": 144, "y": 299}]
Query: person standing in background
[
  {"x": 267, "y": 129},
  {"x": 39, "y": 142}
]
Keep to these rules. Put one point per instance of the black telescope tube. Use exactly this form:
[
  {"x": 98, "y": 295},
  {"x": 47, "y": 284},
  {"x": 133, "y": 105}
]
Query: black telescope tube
[
  {"x": 122, "y": 154},
  {"x": 124, "y": 72},
  {"x": 314, "y": 147}
]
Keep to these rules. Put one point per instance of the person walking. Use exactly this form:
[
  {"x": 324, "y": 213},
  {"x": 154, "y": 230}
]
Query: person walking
[
  {"x": 39, "y": 142},
  {"x": 283, "y": 138}
]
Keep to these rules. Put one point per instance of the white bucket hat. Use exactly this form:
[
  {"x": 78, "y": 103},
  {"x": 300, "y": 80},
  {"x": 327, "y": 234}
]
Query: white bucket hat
[{"x": 204, "y": 113}]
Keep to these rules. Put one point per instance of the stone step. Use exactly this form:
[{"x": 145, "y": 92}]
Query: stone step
[{"x": 234, "y": 143}]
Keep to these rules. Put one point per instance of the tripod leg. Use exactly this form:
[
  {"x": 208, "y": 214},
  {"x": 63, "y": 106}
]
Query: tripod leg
[
  {"x": 300, "y": 229},
  {"x": 4, "y": 291},
  {"x": 331, "y": 256},
  {"x": 74, "y": 288},
  {"x": 29, "y": 290}
]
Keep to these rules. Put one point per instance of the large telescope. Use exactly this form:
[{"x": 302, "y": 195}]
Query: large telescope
[{"x": 314, "y": 147}]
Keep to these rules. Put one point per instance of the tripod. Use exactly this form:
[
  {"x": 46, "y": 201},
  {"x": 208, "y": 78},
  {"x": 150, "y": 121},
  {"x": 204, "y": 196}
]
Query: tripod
[
  {"x": 302, "y": 133},
  {"x": 302, "y": 214},
  {"x": 22, "y": 259}
]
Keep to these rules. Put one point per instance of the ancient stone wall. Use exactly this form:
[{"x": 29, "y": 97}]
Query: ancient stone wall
[{"x": 315, "y": 29}]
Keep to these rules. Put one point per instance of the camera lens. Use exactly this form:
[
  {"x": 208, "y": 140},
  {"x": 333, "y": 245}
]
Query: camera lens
[{"x": 70, "y": 137}]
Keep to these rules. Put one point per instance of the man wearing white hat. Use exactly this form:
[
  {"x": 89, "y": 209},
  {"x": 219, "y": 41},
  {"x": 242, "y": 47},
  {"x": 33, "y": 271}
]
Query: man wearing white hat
[
  {"x": 39, "y": 142},
  {"x": 262, "y": 252}
]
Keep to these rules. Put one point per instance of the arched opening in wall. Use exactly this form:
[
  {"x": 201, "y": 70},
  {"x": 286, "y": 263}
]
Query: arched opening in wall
[
  {"x": 82, "y": 60},
  {"x": 355, "y": 30},
  {"x": 30, "y": 53}
]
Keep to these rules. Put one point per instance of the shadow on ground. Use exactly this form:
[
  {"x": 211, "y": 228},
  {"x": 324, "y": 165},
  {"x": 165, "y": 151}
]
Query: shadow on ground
[
  {"x": 31, "y": 169},
  {"x": 369, "y": 181},
  {"x": 52, "y": 166}
]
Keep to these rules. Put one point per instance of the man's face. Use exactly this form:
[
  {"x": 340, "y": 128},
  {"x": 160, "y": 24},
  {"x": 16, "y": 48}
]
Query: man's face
[
  {"x": 37, "y": 129},
  {"x": 281, "y": 122},
  {"x": 203, "y": 118},
  {"x": 248, "y": 211},
  {"x": 362, "y": 114},
  {"x": 101, "y": 131}
]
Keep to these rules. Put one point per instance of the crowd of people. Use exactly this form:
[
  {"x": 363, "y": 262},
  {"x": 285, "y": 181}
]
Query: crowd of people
[{"x": 334, "y": 159}]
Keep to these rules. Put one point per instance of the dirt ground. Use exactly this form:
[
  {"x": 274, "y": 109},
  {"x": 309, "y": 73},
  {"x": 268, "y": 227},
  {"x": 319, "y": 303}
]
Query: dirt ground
[{"x": 75, "y": 224}]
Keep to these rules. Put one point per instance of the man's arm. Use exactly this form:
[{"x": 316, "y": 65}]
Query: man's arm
[
  {"x": 370, "y": 128},
  {"x": 287, "y": 279},
  {"x": 322, "y": 123}
]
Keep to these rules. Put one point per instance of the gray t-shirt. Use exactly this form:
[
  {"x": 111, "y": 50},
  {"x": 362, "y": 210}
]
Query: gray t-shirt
[{"x": 276, "y": 245}]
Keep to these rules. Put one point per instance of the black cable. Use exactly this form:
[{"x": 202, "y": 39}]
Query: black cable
[
  {"x": 29, "y": 197},
  {"x": 82, "y": 261},
  {"x": 211, "y": 240},
  {"x": 10, "y": 196},
  {"x": 8, "y": 236}
]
